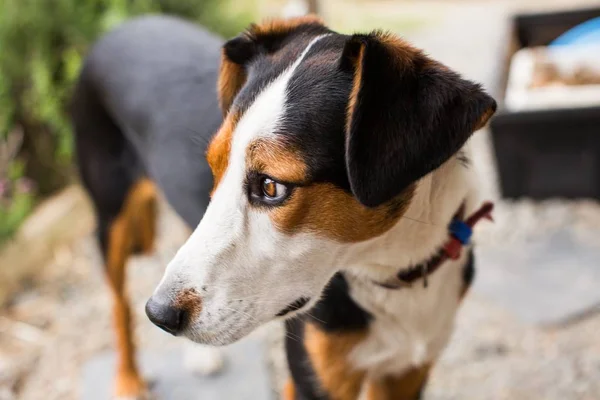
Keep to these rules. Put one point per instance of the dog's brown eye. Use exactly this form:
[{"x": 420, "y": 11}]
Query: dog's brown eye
[
  {"x": 269, "y": 187},
  {"x": 268, "y": 191},
  {"x": 272, "y": 190}
]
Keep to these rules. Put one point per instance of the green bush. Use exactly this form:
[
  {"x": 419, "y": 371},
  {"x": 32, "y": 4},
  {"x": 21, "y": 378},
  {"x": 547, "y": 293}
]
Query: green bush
[
  {"x": 42, "y": 45},
  {"x": 16, "y": 194}
]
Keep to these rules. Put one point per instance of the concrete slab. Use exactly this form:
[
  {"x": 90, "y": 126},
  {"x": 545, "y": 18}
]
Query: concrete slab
[
  {"x": 549, "y": 280},
  {"x": 246, "y": 375}
]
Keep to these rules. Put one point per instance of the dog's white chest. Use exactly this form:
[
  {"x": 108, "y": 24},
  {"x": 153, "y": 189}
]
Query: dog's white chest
[{"x": 410, "y": 326}]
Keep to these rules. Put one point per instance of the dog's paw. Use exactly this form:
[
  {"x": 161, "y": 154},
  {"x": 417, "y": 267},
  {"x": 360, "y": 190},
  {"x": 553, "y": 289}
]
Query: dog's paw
[
  {"x": 203, "y": 360},
  {"x": 131, "y": 387},
  {"x": 142, "y": 396}
]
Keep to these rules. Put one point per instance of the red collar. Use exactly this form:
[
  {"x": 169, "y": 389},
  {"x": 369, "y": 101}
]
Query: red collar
[{"x": 460, "y": 235}]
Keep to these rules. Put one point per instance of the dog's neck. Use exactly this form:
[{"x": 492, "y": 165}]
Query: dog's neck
[{"x": 423, "y": 229}]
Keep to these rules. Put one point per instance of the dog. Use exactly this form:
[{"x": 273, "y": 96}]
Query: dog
[
  {"x": 143, "y": 111},
  {"x": 341, "y": 201}
]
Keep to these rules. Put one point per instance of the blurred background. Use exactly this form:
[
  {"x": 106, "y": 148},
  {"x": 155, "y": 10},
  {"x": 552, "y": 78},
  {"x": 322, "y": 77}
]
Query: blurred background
[{"x": 529, "y": 329}]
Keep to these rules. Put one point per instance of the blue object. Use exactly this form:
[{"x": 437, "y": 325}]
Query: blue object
[
  {"x": 582, "y": 34},
  {"x": 461, "y": 231}
]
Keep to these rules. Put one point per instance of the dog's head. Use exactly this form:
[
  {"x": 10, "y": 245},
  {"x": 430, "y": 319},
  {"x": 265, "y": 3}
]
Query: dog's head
[{"x": 323, "y": 139}]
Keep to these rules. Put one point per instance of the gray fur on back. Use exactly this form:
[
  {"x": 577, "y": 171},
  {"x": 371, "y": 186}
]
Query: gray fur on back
[{"x": 156, "y": 76}]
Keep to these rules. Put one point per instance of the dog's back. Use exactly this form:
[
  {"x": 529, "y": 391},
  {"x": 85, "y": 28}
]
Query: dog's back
[
  {"x": 155, "y": 79},
  {"x": 143, "y": 112}
]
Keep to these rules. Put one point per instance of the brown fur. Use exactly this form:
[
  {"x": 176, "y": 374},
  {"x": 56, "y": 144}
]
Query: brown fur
[
  {"x": 289, "y": 390},
  {"x": 190, "y": 301},
  {"x": 282, "y": 26},
  {"x": 484, "y": 119},
  {"x": 218, "y": 151},
  {"x": 405, "y": 53},
  {"x": 328, "y": 210},
  {"x": 275, "y": 159},
  {"x": 231, "y": 79},
  {"x": 408, "y": 386},
  {"x": 328, "y": 354},
  {"x": 356, "y": 84},
  {"x": 132, "y": 229}
]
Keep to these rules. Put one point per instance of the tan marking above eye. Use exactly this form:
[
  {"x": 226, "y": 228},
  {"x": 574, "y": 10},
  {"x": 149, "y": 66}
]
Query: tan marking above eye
[
  {"x": 276, "y": 159},
  {"x": 328, "y": 210}
]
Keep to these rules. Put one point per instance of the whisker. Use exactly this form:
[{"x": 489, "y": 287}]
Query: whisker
[
  {"x": 293, "y": 336},
  {"x": 247, "y": 297},
  {"x": 252, "y": 318},
  {"x": 315, "y": 318}
]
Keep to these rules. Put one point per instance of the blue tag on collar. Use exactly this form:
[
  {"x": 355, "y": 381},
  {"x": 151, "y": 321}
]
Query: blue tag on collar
[{"x": 461, "y": 231}]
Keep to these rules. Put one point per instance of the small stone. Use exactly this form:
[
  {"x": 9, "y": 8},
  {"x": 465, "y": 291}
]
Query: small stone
[{"x": 491, "y": 350}]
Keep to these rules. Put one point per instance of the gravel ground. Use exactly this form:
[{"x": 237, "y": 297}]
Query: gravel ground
[{"x": 52, "y": 328}]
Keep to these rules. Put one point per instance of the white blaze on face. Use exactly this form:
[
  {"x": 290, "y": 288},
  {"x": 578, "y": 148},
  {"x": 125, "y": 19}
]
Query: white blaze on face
[{"x": 244, "y": 269}]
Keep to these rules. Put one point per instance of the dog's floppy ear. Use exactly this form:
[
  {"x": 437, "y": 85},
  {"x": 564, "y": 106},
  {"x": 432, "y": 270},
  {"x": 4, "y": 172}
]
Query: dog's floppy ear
[
  {"x": 407, "y": 114},
  {"x": 265, "y": 38}
]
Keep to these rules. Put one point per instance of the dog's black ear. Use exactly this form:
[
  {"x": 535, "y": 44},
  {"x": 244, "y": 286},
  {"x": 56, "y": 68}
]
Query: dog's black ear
[
  {"x": 265, "y": 38},
  {"x": 407, "y": 114}
]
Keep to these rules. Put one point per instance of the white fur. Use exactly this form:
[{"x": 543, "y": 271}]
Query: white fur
[{"x": 412, "y": 325}]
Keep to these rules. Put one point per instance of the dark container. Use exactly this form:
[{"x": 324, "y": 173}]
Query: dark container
[{"x": 548, "y": 153}]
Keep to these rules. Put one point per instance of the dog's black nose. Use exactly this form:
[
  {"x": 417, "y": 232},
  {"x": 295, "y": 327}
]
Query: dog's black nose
[{"x": 165, "y": 316}]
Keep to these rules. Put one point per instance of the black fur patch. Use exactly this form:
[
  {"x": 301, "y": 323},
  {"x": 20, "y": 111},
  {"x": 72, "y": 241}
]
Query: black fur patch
[
  {"x": 317, "y": 97},
  {"x": 335, "y": 312},
  {"x": 303, "y": 374},
  {"x": 469, "y": 271}
]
